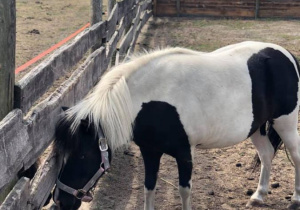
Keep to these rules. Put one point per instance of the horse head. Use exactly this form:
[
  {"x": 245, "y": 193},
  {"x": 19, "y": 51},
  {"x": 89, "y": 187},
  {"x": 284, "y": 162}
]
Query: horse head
[{"x": 85, "y": 159}]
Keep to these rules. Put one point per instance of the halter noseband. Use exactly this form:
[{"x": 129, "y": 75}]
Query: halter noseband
[{"x": 82, "y": 194}]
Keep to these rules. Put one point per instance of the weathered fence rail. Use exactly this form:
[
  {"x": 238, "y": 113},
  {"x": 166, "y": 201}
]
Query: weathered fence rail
[
  {"x": 225, "y": 8},
  {"x": 24, "y": 139}
]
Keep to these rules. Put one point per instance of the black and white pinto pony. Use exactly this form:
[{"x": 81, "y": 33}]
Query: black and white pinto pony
[{"x": 170, "y": 101}]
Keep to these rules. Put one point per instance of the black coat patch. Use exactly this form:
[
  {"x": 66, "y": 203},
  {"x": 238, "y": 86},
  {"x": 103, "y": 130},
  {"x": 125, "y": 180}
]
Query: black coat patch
[
  {"x": 274, "y": 86},
  {"x": 158, "y": 130},
  {"x": 157, "y": 126}
]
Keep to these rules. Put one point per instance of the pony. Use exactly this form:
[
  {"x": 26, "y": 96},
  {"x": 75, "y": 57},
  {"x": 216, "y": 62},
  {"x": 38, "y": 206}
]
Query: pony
[{"x": 168, "y": 102}]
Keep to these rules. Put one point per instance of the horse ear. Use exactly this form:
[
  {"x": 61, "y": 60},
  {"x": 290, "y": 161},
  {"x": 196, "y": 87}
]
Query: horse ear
[{"x": 64, "y": 108}]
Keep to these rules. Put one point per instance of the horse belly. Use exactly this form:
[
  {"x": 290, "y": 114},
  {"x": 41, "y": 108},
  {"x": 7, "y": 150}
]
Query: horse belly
[{"x": 219, "y": 127}]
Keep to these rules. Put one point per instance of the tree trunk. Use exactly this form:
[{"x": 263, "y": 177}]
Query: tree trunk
[{"x": 7, "y": 55}]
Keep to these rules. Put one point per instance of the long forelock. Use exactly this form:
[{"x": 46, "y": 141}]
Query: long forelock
[{"x": 66, "y": 140}]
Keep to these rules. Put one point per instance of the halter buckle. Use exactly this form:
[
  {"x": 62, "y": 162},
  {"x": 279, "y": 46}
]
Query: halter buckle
[
  {"x": 103, "y": 144},
  {"x": 79, "y": 194}
]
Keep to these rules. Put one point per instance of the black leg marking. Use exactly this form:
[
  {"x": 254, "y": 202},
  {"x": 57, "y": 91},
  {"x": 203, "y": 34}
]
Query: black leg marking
[
  {"x": 185, "y": 168},
  {"x": 151, "y": 162},
  {"x": 158, "y": 130}
]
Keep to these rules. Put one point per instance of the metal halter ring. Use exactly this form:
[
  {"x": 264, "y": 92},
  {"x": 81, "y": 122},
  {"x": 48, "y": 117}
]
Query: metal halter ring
[
  {"x": 80, "y": 194},
  {"x": 103, "y": 144}
]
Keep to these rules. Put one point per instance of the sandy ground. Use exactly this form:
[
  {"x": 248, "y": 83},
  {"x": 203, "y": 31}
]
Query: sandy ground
[
  {"x": 222, "y": 178},
  {"x": 217, "y": 181}
]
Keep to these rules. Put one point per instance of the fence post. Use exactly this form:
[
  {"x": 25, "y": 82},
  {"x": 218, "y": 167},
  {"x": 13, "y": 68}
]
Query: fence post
[
  {"x": 96, "y": 16},
  {"x": 110, "y": 6},
  {"x": 7, "y": 55},
  {"x": 178, "y": 7},
  {"x": 257, "y": 9}
]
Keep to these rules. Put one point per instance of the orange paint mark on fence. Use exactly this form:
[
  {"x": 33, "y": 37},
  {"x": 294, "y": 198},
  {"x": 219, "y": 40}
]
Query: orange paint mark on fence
[{"x": 54, "y": 47}]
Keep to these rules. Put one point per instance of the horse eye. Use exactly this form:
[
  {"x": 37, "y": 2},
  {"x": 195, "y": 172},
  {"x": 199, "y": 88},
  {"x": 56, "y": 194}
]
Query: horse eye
[{"x": 82, "y": 157}]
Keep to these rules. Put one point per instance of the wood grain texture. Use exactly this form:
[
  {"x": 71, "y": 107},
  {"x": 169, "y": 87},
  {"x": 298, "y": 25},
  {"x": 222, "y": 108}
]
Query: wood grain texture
[
  {"x": 225, "y": 8},
  {"x": 7, "y": 55},
  {"x": 42, "y": 183},
  {"x": 18, "y": 197},
  {"x": 112, "y": 22},
  {"x": 37, "y": 81},
  {"x": 96, "y": 11},
  {"x": 25, "y": 139},
  {"x": 14, "y": 146}
]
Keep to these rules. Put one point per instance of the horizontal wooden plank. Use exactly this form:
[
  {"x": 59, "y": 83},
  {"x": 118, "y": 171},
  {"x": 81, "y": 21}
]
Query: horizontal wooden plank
[
  {"x": 97, "y": 32},
  {"x": 18, "y": 197},
  {"x": 112, "y": 22},
  {"x": 125, "y": 7},
  {"x": 125, "y": 43},
  {"x": 225, "y": 8},
  {"x": 145, "y": 15},
  {"x": 14, "y": 146},
  {"x": 111, "y": 46},
  {"x": 36, "y": 131},
  {"x": 42, "y": 121},
  {"x": 38, "y": 80},
  {"x": 44, "y": 180}
]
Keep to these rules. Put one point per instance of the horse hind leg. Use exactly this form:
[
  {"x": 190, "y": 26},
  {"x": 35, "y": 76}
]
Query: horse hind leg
[
  {"x": 266, "y": 153},
  {"x": 151, "y": 163},
  {"x": 286, "y": 127}
]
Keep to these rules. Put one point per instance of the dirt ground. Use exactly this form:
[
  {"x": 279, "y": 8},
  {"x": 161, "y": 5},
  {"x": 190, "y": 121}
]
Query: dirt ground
[
  {"x": 41, "y": 24},
  {"x": 218, "y": 182},
  {"x": 221, "y": 177}
]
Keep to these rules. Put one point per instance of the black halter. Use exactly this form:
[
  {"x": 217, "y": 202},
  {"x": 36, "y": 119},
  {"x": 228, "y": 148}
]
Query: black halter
[{"x": 82, "y": 194}]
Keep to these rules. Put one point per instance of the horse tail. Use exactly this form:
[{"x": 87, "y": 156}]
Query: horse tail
[
  {"x": 108, "y": 107},
  {"x": 274, "y": 138}
]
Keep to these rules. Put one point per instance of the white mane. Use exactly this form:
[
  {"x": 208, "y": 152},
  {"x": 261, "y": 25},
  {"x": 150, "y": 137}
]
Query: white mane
[{"x": 110, "y": 105}]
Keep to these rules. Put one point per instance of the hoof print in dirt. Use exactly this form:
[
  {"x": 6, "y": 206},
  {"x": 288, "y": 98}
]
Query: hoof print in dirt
[
  {"x": 250, "y": 178},
  {"x": 34, "y": 31},
  {"x": 211, "y": 192},
  {"x": 275, "y": 185},
  {"x": 238, "y": 165},
  {"x": 249, "y": 192}
]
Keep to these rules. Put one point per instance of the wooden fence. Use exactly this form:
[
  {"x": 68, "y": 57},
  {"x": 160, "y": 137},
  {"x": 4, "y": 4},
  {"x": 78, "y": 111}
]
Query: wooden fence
[
  {"x": 29, "y": 129},
  {"x": 228, "y": 8}
]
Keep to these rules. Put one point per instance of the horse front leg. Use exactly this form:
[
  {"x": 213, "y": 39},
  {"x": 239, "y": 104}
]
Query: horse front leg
[
  {"x": 185, "y": 168},
  {"x": 151, "y": 163},
  {"x": 266, "y": 153}
]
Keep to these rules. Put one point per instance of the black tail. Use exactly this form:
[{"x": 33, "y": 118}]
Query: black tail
[{"x": 274, "y": 139}]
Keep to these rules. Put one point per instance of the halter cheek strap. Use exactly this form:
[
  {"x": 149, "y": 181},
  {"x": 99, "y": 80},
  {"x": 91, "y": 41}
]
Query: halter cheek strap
[{"x": 82, "y": 194}]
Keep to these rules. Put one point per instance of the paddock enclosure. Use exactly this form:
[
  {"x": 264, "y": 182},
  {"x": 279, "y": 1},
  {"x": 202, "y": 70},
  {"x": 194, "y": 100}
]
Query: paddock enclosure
[
  {"x": 29, "y": 129},
  {"x": 222, "y": 178},
  {"x": 227, "y": 8}
]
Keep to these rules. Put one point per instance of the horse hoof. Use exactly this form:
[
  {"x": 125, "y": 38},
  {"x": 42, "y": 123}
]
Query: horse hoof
[
  {"x": 294, "y": 205},
  {"x": 254, "y": 203}
]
